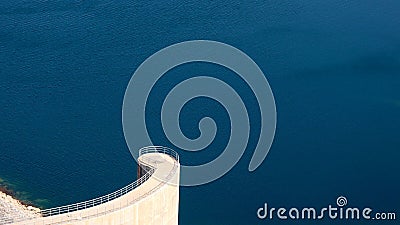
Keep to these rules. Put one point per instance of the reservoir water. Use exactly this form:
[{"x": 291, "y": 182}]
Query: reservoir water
[{"x": 334, "y": 68}]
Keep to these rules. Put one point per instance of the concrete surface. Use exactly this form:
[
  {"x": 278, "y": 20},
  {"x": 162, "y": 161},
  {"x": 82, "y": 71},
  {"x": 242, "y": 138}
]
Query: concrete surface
[{"x": 155, "y": 202}]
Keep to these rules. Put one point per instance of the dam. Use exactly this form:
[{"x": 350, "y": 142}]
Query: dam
[{"x": 153, "y": 199}]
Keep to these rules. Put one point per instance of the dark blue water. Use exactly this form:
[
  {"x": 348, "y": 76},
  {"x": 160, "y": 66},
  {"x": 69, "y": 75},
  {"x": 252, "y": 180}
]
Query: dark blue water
[{"x": 334, "y": 67}]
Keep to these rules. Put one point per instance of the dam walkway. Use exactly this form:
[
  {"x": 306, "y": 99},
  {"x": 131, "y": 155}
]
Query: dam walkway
[{"x": 153, "y": 199}]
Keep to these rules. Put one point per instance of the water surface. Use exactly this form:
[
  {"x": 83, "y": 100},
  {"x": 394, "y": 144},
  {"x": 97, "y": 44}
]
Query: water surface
[{"x": 333, "y": 66}]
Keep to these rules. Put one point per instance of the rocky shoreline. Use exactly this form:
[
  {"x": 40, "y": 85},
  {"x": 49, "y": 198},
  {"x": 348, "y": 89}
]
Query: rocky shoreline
[{"x": 11, "y": 208}]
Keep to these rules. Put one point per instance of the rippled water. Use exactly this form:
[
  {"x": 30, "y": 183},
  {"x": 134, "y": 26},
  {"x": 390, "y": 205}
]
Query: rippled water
[{"x": 334, "y": 68}]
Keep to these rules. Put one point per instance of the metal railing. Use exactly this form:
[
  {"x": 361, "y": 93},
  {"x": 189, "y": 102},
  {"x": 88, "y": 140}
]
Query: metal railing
[
  {"x": 99, "y": 200},
  {"x": 159, "y": 149},
  {"x": 108, "y": 197}
]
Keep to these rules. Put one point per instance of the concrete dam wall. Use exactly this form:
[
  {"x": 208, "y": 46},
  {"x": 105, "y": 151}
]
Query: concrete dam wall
[{"x": 151, "y": 200}]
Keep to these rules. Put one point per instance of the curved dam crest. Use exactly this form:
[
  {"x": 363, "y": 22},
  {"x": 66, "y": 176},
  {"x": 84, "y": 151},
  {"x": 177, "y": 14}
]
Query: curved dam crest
[{"x": 151, "y": 200}]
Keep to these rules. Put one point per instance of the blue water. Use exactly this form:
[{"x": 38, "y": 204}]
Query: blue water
[{"x": 334, "y": 67}]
